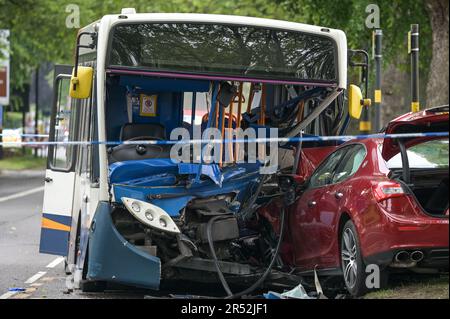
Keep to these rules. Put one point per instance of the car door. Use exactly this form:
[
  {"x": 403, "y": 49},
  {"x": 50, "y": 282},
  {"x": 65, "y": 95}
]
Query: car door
[
  {"x": 331, "y": 202},
  {"x": 309, "y": 212},
  {"x": 60, "y": 173}
]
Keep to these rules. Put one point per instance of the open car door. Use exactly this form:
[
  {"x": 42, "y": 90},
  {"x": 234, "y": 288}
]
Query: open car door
[{"x": 60, "y": 173}]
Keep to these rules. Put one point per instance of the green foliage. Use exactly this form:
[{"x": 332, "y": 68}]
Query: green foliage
[
  {"x": 396, "y": 17},
  {"x": 39, "y": 34},
  {"x": 18, "y": 162}
]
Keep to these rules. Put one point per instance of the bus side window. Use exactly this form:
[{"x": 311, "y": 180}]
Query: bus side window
[
  {"x": 64, "y": 128},
  {"x": 199, "y": 110},
  {"x": 95, "y": 165}
]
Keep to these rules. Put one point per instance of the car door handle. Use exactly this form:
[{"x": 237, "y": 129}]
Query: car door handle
[
  {"x": 338, "y": 195},
  {"x": 48, "y": 179},
  {"x": 312, "y": 203}
]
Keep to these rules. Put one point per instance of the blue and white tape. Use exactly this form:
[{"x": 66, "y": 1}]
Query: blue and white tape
[{"x": 283, "y": 140}]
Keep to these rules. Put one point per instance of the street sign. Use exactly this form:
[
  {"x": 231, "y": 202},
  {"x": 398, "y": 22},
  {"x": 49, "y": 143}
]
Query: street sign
[{"x": 4, "y": 67}]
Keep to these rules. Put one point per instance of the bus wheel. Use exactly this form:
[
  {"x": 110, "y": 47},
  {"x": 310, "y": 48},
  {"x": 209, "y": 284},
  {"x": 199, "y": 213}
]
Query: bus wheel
[{"x": 67, "y": 268}]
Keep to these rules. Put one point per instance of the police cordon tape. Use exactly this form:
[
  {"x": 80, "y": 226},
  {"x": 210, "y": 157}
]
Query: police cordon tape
[
  {"x": 283, "y": 140},
  {"x": 24, "y": 135}
]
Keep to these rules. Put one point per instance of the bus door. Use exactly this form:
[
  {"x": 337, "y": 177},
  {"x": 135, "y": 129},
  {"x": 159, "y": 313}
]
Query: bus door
[{"x": 60, "y": 173}]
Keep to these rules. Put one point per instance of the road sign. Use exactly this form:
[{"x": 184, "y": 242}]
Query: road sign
[{"x": 4, "y": 67}]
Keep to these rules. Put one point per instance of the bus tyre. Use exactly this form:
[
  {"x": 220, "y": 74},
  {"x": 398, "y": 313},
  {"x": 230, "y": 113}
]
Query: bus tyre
[
  {"x": 92, "y": 286},
  {"x": 67, "y": 268}
]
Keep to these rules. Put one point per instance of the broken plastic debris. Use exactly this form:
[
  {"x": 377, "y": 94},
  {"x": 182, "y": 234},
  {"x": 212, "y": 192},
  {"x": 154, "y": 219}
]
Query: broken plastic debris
[
  {"x": 297, "y": 293},
  {"x": 16, "y": 289},
  {"x": 272, "y": 295}
]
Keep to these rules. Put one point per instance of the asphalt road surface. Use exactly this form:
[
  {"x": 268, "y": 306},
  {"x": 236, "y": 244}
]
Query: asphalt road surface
[{"x": 21, "y": 264}]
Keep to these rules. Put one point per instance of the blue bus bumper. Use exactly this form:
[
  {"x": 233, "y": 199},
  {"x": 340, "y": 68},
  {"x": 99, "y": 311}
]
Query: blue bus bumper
[{"x": 112, "y": 258}]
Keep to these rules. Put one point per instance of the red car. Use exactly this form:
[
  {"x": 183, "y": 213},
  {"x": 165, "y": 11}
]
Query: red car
[{"x": 372, "y": 201}]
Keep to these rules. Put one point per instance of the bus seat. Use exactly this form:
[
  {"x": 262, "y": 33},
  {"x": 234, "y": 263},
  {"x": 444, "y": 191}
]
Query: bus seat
[{"x": 133, "y": 130}]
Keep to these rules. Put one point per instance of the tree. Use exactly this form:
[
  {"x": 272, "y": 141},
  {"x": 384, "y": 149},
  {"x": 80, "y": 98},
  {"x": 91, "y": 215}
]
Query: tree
[
  {"x": 396, "y": 18},
  {"x": 39, "y": 34},
  {"x": 437, "y": 88}
]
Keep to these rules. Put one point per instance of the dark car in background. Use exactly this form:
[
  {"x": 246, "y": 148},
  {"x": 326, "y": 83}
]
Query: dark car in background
[{"x": 372, "y": 201}]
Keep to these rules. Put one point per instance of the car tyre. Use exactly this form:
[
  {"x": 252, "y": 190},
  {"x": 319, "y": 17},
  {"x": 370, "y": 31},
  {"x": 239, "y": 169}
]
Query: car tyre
[{"x": 352, "y": 264}]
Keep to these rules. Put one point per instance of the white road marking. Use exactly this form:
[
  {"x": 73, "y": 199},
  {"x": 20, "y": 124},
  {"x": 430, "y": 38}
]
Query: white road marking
[
  {"x": 55, "y": 262},
  {"x": 8, "y": 294},
  {"x": 35, "y": 277},
  {"x": 21, "y": 194}
]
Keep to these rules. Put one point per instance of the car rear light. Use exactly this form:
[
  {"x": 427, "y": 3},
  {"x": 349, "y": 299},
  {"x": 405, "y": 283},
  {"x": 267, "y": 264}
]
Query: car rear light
[{"x": 385, "y": 190}]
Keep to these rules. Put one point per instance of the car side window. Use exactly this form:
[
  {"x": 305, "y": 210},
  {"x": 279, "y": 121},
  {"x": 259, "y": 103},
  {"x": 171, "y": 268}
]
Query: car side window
[
  {"x": 324, "y": 174},
  {"x": 350, "y": 164}
]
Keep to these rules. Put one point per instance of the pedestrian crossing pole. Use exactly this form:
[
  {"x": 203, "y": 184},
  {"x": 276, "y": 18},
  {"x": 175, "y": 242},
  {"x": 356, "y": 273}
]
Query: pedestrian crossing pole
[
  {"x": 377, "y": 55},
  {"x": 413, "y": 50}
]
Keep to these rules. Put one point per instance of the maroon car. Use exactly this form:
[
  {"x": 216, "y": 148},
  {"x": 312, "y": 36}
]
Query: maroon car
[{"x": 372, "y": 201}]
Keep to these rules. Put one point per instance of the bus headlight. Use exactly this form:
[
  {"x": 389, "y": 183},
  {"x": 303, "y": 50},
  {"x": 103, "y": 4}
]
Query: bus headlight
[
  {"x": 135, "y": 206},
  {"x": 150, "y": 215}
]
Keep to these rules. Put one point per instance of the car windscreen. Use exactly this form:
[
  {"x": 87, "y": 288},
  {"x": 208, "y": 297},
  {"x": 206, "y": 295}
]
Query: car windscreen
[
  {"x": 429, "y": 154},
  {"x": 227, "y": 50}
]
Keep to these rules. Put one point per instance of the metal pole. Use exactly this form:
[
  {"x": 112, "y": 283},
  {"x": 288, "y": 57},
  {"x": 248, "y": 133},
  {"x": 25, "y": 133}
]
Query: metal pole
[
  {"x": 1, "y": 131},
  {"x": 24, "y": 123},
  {"x": 378, "y": 36},
  {"x": 36, "y": 115},
  {"x": 365, "y": 125},
  {"x": 414, "y": 52}
]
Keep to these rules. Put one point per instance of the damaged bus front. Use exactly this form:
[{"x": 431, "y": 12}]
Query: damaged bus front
[{"x": 125, "y": 204}]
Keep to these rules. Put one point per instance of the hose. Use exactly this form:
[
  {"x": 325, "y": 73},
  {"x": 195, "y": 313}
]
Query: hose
[
  {"x": 247, "y": 209},
  {"x": 213, "y": 254},
  {"x": 264, "y": 275},
  {"x": 269, "y": 268}
]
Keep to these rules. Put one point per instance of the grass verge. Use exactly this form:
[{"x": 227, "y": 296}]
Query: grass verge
[
  {"x": 418, "y": 287},
  {"x": 26, "y": 162}
]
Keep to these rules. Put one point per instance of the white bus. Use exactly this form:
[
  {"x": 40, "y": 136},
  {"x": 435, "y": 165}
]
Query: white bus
[{"x": 127, "y": 213}]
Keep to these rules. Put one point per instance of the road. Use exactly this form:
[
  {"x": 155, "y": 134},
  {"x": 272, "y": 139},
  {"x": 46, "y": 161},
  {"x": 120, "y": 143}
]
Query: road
[
  {"x": 20, "y": 217},
  {"x": 21, "y": 264}
]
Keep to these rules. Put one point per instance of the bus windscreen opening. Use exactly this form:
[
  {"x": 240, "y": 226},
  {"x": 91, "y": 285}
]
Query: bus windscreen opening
[{"x": 224, "y": 50}]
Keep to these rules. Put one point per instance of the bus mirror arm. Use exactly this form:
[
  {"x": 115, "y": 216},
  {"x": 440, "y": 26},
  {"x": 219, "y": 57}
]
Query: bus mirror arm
[{"x": 77, "y": 51}]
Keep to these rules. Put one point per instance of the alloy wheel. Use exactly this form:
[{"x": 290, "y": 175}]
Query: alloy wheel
[{"x": 349, "y": 255}]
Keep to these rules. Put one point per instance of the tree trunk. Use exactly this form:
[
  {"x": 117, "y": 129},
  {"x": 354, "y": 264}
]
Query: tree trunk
[{"x": 437, "y": 87}]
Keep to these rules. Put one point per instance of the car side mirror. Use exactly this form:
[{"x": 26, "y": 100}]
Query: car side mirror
[
  {"x": 289, "y": 185},
  {"x": 300, "y": 179},
  {"x": 292, "y": 181}
]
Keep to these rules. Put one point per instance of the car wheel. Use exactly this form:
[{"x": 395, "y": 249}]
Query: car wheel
[{"x": 353, "y": 268}]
